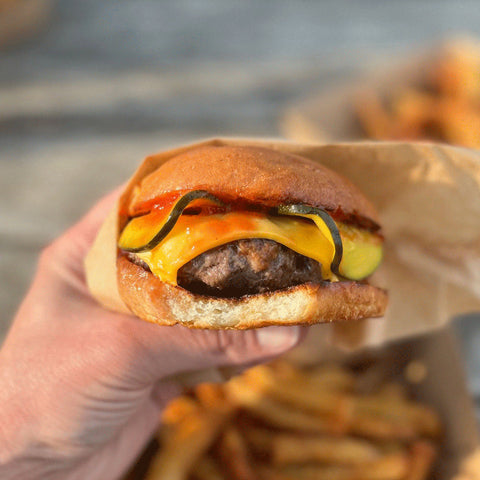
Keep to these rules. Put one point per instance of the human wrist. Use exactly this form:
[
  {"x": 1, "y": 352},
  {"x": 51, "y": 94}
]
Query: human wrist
[
  {"x": 16, "y": 422},
  {"x": 24, "y": 454}
]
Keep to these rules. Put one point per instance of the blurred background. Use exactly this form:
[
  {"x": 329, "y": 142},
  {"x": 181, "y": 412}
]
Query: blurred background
[{"x": 88, "y": 88}]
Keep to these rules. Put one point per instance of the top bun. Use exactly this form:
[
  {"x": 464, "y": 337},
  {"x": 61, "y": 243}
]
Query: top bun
[{"x": 255, "y": 175}]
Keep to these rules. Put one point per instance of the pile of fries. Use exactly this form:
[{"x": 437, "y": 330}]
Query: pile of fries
[
  {"x": 280, "y": 422},
  {"x": 444, "y": 107}
]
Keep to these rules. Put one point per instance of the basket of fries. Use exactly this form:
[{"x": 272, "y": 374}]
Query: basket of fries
[
  {"x": 379, "y": 414},
  {"x": 434, "y": 95}
]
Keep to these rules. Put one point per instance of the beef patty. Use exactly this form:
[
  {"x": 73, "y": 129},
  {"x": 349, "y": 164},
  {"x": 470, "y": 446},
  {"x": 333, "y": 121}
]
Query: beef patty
[{"x": 246, "y": 267}]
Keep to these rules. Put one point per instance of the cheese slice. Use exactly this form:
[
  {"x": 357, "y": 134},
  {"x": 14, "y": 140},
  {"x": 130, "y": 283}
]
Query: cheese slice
[{"x": 193, "y": 235}]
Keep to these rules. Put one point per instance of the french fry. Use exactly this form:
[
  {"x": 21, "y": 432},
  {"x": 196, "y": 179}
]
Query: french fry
[
  {"x": 313, "y": 472},
  {"x": 421, "y": 460},
  {"x": 389, "y": 467},
  {"x": 331, "y": 377},
  {"x": 260, "y": 440},
  {"x": 277, "y": 414},
  {"x": 266, "y": 472},
  {"x": 460, "y": 123},
  {"x": 206, "y": 468},
  {"x": 189, "y": 441},
  {"x": 175, "y": 413},
  {"x": 410, "y": 110},
  {"x": 373, "y": 116},
  {"x": 234, "y": 454},
  {"x": 418, "y": 418},
  {"x": 373, "y": 427},
  {"x": 210, "y": 395},
  {"x": 178, "y": 409},
  {"x": 455, "y": 74},
  {"x": 287, "y": 449},
  {"x": 191, "y": 437},
  {"x": 304, "y": 395}
]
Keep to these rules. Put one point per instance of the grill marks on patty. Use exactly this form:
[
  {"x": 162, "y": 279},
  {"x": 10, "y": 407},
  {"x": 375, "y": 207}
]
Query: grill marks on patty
[
  {"x": 244, "y": 267},
  {"x": 247, "y": 267}
]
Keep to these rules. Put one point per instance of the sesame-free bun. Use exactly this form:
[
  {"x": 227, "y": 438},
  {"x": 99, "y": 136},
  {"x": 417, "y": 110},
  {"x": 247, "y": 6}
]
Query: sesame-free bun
[
  {"x": 259, "y": 176},
  {"x": 256, "y": 175},
  {"x": 155, "y": 301}
]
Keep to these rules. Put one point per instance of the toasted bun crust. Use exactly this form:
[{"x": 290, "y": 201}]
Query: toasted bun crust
[
  {"x": 256, "y": 175},
  {"x": 155, "y": 301}
]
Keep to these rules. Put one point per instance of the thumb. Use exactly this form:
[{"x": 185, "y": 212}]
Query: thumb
[
  {"x": 271, "y": 342},
  {"x": 245, "y": 347},
  {"x": 170, "y": 351}
]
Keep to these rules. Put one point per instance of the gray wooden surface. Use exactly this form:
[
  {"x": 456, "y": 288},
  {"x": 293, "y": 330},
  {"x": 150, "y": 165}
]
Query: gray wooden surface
[{"x": 110, "y": 81}]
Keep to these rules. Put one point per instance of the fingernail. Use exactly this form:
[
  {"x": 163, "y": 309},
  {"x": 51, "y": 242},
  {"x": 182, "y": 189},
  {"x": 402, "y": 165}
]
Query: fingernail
[{"x": 278, "y": 338}]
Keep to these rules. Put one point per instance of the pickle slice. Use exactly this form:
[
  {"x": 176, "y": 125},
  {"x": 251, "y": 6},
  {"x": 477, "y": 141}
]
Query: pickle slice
[
  {"x": 358, "y": 252},
  {"x": 166, "y": 222},
  {"x": 324, "y": 222},
  {"x": 362, "y": 252}
]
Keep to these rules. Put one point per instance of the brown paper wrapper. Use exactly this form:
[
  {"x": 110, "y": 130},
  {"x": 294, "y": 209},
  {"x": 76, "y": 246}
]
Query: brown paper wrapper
[{"x": 428, "y": 197}]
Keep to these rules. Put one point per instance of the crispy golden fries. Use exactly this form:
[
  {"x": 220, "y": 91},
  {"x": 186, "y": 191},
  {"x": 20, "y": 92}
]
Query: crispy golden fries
[
  {"x": 280, "y": 422},
  {"x": 206, "y": 468},
  {"x": 276, "y": 414},
  {"x": 234, "y": 454},
  {"x": 314, "y": 395},
  {"x": 180, "y": 408},
  {"x": 288, "y": 449},
  {"x": 389, "y": 467},
  {"x": 421, "y": 459},
  {"x": 445, "y": 107},
  {"x": 196, "y": 428}
]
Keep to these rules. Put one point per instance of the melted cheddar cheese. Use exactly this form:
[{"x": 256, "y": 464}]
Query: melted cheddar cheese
[{"x": 193, "y": 235}]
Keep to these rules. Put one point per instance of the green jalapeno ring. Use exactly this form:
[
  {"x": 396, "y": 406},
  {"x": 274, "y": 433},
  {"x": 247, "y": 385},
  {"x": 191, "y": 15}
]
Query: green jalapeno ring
[
  {"x": 300, "y": 209},
  {"x": 172, "y": 218}
]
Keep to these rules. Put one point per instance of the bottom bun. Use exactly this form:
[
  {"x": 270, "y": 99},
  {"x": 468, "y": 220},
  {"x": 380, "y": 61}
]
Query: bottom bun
[{"x": 155, "y": 301}]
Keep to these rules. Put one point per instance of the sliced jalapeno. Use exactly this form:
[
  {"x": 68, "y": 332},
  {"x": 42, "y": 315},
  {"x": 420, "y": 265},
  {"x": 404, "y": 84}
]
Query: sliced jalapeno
[
  {"x": 180, "y": 205},
  {"x": 302, "y": 210}
]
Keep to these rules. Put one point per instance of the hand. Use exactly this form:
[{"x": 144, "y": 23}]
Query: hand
[{"x": 81, "y": 387}]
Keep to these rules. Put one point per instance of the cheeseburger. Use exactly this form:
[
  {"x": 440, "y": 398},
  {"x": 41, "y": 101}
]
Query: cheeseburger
[{"x": 243, "y": 237}]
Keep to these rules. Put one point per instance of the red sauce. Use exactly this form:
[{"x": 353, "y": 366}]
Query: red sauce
[
  {"x": 221, "y": 226},
  {"x": 161, "y": 203},
  {"x": 199, "y": 206},
  {"x": 204, "y": 207}
]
